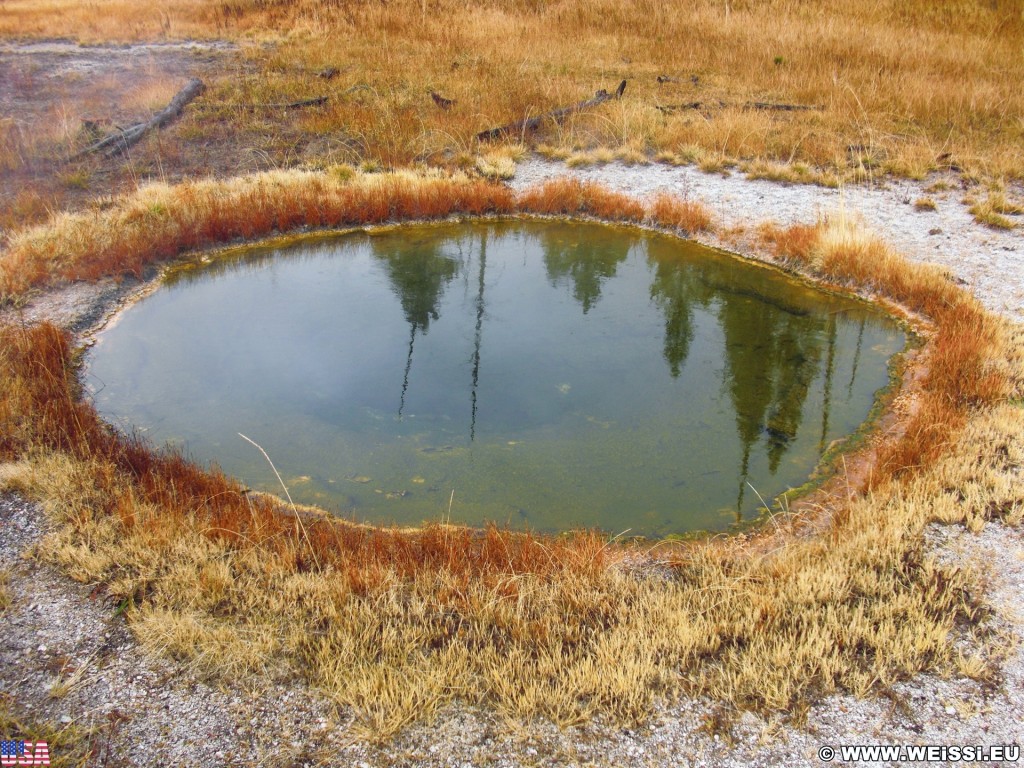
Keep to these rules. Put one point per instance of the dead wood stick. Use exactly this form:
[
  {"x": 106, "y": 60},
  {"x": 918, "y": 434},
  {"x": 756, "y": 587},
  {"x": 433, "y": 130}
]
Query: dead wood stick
[
  {"x": 531, "y": 124},
  {"x": 125, "y": 139},
  {"x": 314, "y": 102},
  {"x": 768, "y": 105},
  {"x": 668, "y": 109}
]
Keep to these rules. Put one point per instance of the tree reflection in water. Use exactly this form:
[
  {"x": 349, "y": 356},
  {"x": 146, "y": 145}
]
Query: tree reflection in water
[
  {"x": 418, "y": 272},
  {"x": 583, "y": 263},
  {"x": 772, "y": 357}
]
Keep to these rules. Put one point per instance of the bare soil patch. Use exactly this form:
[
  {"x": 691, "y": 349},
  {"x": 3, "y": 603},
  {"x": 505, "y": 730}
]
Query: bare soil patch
[{"x": 59, "y": 97}]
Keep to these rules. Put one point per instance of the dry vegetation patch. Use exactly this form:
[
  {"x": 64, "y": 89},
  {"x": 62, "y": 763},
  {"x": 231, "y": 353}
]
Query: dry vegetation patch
[
  {"x": 396, "y": 624},
  {"x": 789, "y": 90}
]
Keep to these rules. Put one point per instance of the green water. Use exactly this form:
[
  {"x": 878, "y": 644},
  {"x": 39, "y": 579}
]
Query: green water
[{"x": 551, "y": 375}]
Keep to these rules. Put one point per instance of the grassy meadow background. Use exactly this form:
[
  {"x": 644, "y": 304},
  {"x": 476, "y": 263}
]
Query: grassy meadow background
[{"x": 882, "y": 87}]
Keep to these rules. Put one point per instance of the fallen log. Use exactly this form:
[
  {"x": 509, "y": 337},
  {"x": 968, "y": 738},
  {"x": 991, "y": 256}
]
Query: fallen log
[
  {"x": 287, "y": 105},
  {"x": 669, "y": 109},
  {"x": 764, "y": 105},
  {"x": 316, "y": 102},
  {"x": 528, "y": 125},
  {"x": 776, "y": 107},
  {"x": 126, "y": 138}
]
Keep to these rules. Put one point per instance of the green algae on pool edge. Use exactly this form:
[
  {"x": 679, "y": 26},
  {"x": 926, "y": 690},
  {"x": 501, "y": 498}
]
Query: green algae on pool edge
[{"x": 549, "y": 375}]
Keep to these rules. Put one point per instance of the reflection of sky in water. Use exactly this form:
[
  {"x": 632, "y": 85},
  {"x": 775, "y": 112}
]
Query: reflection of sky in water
[{"x": 551, "y": 374}]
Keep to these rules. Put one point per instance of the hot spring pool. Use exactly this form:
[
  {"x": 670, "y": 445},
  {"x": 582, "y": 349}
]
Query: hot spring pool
[{"x": 548, "y": 375}]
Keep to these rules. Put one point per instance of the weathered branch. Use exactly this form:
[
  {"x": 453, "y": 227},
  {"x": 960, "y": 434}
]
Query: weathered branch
[
  {"x": 318, "y": 101},
  {"x": 128, "y": 137},
  {"x": 531, "y": 124},
  {"x": 315, "y": 101},
  {"x": 668, "y": 109},
  {"x": 441, "y": 101},
  {"x": 768, "y": 105},
  {"x": 765, "y": 105}
]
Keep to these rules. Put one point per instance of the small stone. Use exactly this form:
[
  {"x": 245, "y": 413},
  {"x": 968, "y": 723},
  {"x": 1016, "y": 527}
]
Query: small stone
[
  {"x": 65, "y": 720},
  {"x": 950, "y": 710},
  {"x": 41, "y": 649}
]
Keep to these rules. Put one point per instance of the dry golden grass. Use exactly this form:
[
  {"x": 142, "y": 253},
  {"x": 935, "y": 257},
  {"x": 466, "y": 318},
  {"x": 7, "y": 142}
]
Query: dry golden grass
[
  {"x": 798, "y": 173},
  {"x": 994, "y": 208},
  {"x": 896, "y": 87},
  {"x": 398, "y": 624},
  {"x": 685, "y": 216}
]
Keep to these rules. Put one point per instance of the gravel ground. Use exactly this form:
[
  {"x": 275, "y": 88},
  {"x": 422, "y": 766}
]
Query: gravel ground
[
  {"x": 67, "y": 658},
  {"x": 149, "y": 712}
]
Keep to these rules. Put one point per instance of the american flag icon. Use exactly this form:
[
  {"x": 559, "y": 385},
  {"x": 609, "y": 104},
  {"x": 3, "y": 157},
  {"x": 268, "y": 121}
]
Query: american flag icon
[{"x": 20, "y": 753}]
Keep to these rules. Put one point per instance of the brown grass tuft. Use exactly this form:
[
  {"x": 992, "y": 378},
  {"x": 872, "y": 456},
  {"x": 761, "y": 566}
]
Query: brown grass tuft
[
  {"x": 794, "y": 243},
  {"x": 685, "y": 216},
  {"x": 993, "y": 209},
  {"x": 571, "y": 197}
]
